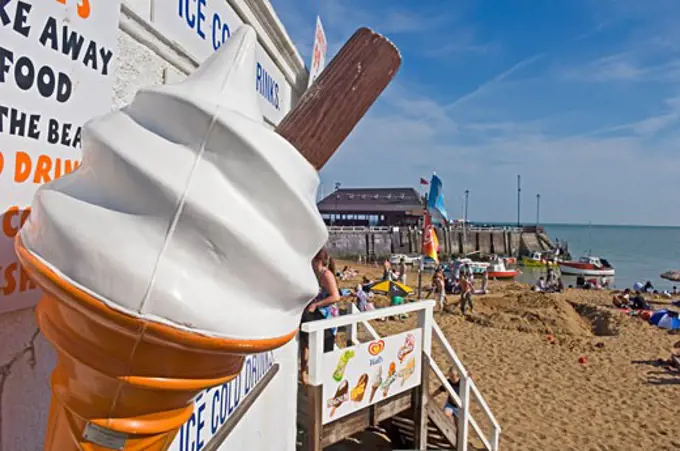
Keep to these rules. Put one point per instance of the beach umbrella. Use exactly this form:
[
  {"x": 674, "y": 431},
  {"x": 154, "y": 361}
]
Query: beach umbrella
[
  {"x": 665, "y": 319},
  {"x": 391, "y": 288}
]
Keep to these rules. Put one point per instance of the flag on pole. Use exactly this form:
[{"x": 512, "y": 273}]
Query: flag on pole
[
  {"x": 318, "y": 53},
  {"x": 423, "y": 181},
  {"x": 435, "y": 201},
  {"x": 430, "y": 241}
]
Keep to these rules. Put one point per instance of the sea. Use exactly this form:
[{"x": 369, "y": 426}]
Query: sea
[{"x": 638, "y": 253}]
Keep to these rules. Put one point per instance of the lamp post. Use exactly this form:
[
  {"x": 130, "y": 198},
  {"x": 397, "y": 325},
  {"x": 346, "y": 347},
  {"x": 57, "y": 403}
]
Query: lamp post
[
  {"x": 465, "y": 217},
  {"x": 337, "y": 187},
  {"x": 538, "y": 209},
  {"x": 519, "y": 192}
]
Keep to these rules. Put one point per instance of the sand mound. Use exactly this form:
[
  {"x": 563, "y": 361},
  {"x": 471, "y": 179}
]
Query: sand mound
[{"x": 531, "y": 312}]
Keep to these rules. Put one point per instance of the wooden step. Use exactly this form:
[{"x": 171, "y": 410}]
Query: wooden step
[{"x": 441, "y": 432}]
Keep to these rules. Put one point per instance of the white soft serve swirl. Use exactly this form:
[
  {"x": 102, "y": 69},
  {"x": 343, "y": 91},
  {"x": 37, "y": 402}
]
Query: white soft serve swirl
[{"x": 187, "y": 209}]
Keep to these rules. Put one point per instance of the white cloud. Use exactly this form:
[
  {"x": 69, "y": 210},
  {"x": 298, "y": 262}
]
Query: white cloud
[{"x": 498, "y": 78}]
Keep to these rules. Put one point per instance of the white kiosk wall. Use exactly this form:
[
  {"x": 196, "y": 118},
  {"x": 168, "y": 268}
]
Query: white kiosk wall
[{"x": 26, "y": 359}]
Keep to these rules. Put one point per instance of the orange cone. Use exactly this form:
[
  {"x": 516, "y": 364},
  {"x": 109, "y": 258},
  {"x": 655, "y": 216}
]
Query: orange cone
[{"x": 122, "y": 382}]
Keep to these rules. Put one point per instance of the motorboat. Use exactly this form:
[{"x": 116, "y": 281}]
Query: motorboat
[
  {"x": 587, "y": 266},
  {"x": 498, "y": 270},
  {"x": 396, "y": 259},
  {"x": 475, "y": 267},
  {"x": 538, "y": 260}
]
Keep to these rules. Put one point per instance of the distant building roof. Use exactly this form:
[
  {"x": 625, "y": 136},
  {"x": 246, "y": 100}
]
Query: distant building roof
[{"x": 372, "y": 200}]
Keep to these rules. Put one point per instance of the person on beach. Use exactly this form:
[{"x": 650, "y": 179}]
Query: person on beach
[
  {"x": 450, "y": 408},
  {"x": 402, "y": 271},
  {"x": 388, "y": 274},
  {"x": 322, "y": 306},
  {"x": 622, "y": 300},
  {"x": 485, "y": 282},
  {"x": 363, "y": 303},
  {"x": 438, "y": 287},
  {"x": 466, "y": 290},
  {"x": 638, "y": 302},
  {"x": 540, "y": 285}
]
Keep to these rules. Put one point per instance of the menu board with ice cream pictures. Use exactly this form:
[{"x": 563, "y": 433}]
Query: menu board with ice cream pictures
[
  {"x": 359, "y": 376},
  {"x": 57, "y": 62}
]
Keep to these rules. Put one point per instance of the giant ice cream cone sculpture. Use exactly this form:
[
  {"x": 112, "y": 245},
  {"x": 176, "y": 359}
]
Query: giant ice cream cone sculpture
[{"x": 183, "y": 242}]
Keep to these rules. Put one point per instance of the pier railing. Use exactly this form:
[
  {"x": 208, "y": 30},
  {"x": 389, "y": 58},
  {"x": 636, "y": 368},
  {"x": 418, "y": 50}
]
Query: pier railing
[
  {"x": 468, "y": 390},
  {"x": 514, "y": 229}
]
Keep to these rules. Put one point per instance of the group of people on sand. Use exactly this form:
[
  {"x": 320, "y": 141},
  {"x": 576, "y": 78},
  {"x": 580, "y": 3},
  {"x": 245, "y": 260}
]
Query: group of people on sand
[
  {"x": 459, "y": 281},
  {"x": 551, "y": 283},
  {"x": 628, "y": 299}
]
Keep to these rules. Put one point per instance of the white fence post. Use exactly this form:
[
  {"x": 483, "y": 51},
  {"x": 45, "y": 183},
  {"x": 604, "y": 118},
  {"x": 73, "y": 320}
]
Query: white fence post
[
  {"x": 425, "y": 320},
  {"x": 463, "y": 414},
  {"x": 315, "y": 361}
]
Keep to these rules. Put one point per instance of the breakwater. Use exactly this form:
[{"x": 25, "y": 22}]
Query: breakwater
[{"x": 378, "y": 242}]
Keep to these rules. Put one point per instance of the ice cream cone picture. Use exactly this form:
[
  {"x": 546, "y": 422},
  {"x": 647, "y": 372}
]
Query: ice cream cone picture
[
  {"x": 407, "y": 370},
  {"x": 407, "y": 348},
  {"x": 377, "y": 382},
  {"x": 391, "y": 377},
  {"x": 153, "y": 288},
  {"x": 341, "y": 395},
  {"x": 357, "y": 394}
]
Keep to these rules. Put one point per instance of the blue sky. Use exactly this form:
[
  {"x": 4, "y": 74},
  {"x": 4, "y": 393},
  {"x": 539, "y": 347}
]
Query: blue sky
[{"x": 580, "y": 97}]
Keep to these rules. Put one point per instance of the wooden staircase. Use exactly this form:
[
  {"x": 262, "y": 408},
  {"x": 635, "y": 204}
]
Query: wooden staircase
[
  {"x": 441, "y": 432},
  {"x": 412, "y": 418}
]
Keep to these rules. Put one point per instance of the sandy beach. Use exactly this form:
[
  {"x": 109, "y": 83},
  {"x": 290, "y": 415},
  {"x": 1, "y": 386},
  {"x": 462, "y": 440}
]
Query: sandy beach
[{"x": 543, "y": 397}]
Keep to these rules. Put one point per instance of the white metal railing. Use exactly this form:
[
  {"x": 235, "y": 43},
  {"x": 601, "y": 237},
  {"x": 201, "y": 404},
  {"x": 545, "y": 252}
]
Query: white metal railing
[
  {"x": 315, "y": 330},
  {"x": 359, "y": 229},
  {"x": 467, "y": 385},
  {"x": 353, "y": 327},
  {"x": 430, "y": 328}
]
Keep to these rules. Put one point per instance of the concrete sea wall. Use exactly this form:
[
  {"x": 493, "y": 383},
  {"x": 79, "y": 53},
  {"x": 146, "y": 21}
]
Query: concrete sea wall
[{"x": 379, "y": 242}]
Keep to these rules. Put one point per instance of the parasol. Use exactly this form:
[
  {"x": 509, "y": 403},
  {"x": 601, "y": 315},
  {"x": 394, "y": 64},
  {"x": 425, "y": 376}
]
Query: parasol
[
  {"x": 665, "y": 319},
  {"x": 391, "y": 288}
]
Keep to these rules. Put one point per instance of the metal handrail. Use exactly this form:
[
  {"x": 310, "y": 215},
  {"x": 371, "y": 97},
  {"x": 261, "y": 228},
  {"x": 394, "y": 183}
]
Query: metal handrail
[
  {"x": 314, "y": 326},
  {"x": 465, "y": 377},
  {"x": 464, "y": 404}
]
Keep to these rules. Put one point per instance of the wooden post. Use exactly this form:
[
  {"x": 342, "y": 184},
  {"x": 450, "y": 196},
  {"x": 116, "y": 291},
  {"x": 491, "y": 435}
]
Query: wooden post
[
  {"x": 315, "y": 428},
  {"x": 421, "y": 392},
  {"x": 331, "y": 108},
  {"x": 419, "y": 403}
]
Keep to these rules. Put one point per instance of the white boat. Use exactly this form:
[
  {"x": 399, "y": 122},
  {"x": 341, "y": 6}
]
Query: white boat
[
  {"x": 475, "y": 267},
  {"x": 498, "y": 270},
  {"x": 587, "y": 266}
]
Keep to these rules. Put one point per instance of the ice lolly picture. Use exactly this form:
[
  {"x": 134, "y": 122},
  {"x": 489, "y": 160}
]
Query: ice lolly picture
[
  {"x": 357, "y": 394},
  {"x": 407, "y": 370},
  {"x": 342, "y": 364},
  {"x": 341, "y": 395}
]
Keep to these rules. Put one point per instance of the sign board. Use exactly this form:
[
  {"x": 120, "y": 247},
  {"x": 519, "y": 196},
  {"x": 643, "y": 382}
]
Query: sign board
[
  {"x": 56, "y": 72},
  {"x": 212, "y": 407},
  {"x": 201, "y": 26},
  {"x": 318, "y": 53},
  {"x": 362, "y": 375}
]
